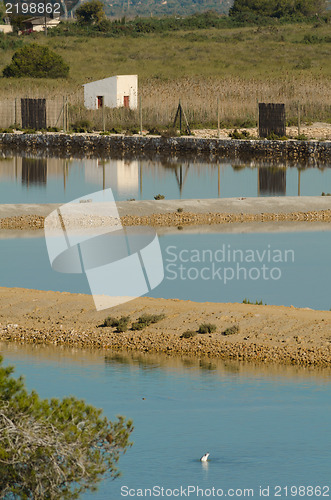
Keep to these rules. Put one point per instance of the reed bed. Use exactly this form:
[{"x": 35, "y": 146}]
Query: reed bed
[{"x": 235, "y": 98}]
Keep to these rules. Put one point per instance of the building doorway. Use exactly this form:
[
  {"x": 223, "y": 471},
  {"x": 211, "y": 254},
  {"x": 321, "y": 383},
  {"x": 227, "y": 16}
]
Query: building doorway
[
  {"x": 126, "y": 101},
  {"x": 100, "y": 101}
]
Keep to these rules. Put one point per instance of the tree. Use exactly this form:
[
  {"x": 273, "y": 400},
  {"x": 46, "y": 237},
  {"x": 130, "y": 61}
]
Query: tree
[
  {"x": 54, "y": 449},
  {"x": 277, "y": 8},
  {"x": 36, "y": 61},
  {"x": 90, "y": 12}
]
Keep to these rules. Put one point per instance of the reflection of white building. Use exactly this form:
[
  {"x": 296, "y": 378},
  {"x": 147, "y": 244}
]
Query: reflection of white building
[{"x": 120, "y": 175}]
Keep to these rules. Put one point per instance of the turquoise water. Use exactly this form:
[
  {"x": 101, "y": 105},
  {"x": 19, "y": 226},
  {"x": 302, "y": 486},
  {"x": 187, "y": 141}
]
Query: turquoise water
[
  {"x": 302, "y": 278},
  {"x": 52, "y": 180},
  {"x": 261, "y": 427}
]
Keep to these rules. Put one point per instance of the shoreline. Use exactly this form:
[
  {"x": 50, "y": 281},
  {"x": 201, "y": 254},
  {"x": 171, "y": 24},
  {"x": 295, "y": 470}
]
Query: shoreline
[
  {"x": 268, "y": 334},
  {"x": 87, "y": 144},
  {"x": 182, "y": 213}
]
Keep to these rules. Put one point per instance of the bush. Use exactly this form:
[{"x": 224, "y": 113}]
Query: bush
[
  {"x": 275, "y": 137},
  {"x": 90, "y": 13},
  {"x": 146, "y": 320},
  {"x": 57, "y": 448},
  {"x": 302, "y": 137},
  {"x": 256, "y": 303},
  {"x": 81, "y": 126},
  {"x": 207, "y": 328},
  {"x": 188, "y": 334},
  {"x": 159, "y": 197},
  {"x": 36, "y": 61},
  {"x": 121, "y": 324},
  {"x": 240, "y": 135},
  {"x": 231, "y": 330}
]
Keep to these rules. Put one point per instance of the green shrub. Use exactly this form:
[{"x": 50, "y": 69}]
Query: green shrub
[
  {"x": 180, "y": 210},
  {"x": 188, "y": 334},
  {"x": 207, "y": 328},
  {"x": 240, "y": 135},
  {"x": 302, "y": 137},
  {"x": 169, "y": 132},
  {"x": 90, "y": 13},
  {"x": 159, "y": 197},
  {"x": 146, "y": 320},
  {"x": 231, "y": 330},
  {"x": 121, "y": 324},
  {"x": 275, "y": 137},
  {"x": 257, "y": 302},
  {"x": 36, "y": 61},
  {"x": 81, "y": 126},
  {"x": 154, "y": 131}
]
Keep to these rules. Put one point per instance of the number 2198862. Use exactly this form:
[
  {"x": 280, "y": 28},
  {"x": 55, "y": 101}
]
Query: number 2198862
[{"x": 32, "y": 8}]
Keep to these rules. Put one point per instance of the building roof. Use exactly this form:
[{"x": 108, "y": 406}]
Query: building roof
[
  {"x": 108, "y": 78},
  {"x": 39, "y": 20}
]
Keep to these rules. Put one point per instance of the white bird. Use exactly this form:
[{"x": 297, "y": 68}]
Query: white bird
[{"x": 204, "y": 458}]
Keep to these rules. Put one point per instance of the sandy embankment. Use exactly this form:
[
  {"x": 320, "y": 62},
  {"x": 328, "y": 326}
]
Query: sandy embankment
[
  {"x": 267, "y": 333},
  {"x": 182, "y": 213}
]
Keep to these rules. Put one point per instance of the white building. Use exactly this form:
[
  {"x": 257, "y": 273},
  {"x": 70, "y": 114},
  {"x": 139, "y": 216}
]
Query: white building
[{"x": 113, "y": 92}]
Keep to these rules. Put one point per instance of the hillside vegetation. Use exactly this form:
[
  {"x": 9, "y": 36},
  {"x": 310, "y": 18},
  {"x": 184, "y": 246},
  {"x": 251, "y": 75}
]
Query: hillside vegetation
[{"x": 241, "y": 65}]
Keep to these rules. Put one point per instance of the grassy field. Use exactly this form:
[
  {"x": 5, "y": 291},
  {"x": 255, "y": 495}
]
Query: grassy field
[{"x": 240, "y": 66}]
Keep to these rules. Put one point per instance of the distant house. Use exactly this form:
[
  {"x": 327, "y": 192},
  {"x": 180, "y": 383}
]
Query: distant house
[
  {"x": 38, "y": 23},
  {"x": 113, "y": 92},
  {"x": 6, "y": 27}
]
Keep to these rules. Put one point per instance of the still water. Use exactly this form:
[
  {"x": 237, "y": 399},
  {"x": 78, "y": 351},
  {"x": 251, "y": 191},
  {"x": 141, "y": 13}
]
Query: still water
[
  {"x": 202, "y": 267},
  {"x": 53, "y": 180},
  {"x": 262, "y": 427}
]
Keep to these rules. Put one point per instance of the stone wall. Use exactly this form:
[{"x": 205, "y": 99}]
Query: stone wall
[{"x": 104, "y": 145}]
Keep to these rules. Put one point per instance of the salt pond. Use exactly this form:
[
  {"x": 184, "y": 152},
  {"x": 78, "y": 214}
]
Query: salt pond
[
  {"x": 54, "y": 180},
  {"x": 199, "y": 267},
  {"x": 262, "y": 426}
]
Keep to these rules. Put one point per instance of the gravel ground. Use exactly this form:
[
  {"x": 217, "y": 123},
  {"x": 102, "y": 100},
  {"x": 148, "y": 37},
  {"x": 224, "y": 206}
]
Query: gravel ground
[{"x": 314, "y": 131}]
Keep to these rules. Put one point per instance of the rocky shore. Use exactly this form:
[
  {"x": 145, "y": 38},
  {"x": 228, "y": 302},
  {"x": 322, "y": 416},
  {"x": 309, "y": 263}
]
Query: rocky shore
[
  {"x": 172, "y": 219},
  {"x": 84, "y": 145},
  {"x": 263, "y": 333}
]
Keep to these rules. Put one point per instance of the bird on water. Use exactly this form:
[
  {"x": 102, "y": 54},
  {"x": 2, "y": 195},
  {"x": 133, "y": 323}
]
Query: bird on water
[{"x": 204, "y": 458}]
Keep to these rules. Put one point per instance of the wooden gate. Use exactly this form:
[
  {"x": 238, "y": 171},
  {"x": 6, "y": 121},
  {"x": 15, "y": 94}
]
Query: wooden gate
[
  {"x": 272, "y": 119},
  {"x": 33, "y": 112}
]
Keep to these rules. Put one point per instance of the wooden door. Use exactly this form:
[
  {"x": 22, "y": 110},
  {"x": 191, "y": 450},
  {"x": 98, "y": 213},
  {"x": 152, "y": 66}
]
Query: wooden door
[
  {"x": 126, "y": 101},
  {"x": 100, "y": 101}
]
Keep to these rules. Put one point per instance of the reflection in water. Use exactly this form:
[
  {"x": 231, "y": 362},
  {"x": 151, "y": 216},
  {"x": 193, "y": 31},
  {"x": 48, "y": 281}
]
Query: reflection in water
[
  {"x": 272, "y": 181},
  {"x": 179, "y": 364},
  {"x": 34, "y": 171},
  {"x": 66, "y": 179}
]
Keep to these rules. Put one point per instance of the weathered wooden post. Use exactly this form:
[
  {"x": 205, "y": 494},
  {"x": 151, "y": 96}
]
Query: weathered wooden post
[
  {"x": 218, "y": 118},
  {"x": 140, "y": 116},
  {"x": 272, "y": 119}
]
